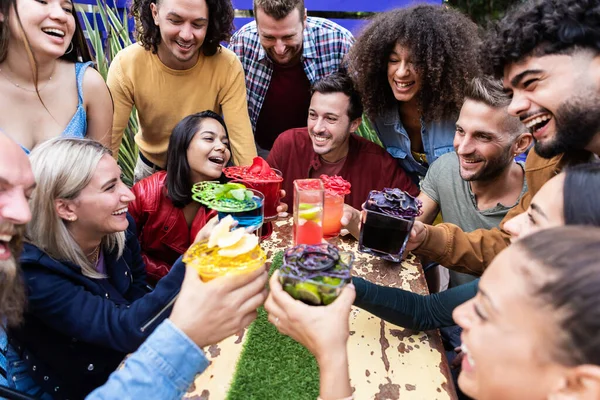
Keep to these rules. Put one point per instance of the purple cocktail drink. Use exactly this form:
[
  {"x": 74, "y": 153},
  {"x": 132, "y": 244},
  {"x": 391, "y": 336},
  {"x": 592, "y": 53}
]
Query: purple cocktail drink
[{"x": 390, "y": 215}]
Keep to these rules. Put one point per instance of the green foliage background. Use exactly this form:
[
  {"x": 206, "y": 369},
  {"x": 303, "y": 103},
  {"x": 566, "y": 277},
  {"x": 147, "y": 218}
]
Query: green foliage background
[
  {"x": 482, "y": 11},
  {"x": 117, "y": 28}
]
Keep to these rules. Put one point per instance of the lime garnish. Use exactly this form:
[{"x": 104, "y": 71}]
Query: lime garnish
[
  {"x": 310, "y": 213},
  {"x": 291, "y": 290},
  {"x": 329, "y": 298},
  {"x": 331, "y": 281},
  {"x": 308, "y": 293},
  {"x": 305, "y": 206},
  {"x": 238, "y": 194}
]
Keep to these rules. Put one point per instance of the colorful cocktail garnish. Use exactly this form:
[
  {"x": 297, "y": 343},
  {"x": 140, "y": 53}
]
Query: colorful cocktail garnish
[
  {"x": 315, "y": 274},
  {"x": 262, "y": 177},
  {"x": 244, "y": 205},
  {"x": 394, "y": 202},
  {"x": 389, "y": 218},
  {"x": 225, "y": 251},
  {"x": 336, "y": 188},
  {"x": 224, "y": 197}
]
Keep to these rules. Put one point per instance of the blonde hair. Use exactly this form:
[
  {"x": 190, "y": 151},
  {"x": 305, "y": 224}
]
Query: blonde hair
[{"x": 63, "y": 167}]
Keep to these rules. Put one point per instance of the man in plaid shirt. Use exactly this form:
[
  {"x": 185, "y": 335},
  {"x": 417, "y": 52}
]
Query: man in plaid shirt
[{"x": 283, "y": 53}]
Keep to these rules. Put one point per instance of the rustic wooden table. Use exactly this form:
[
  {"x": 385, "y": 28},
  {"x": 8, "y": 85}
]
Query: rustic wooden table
[{"x": 386, "y": 362}]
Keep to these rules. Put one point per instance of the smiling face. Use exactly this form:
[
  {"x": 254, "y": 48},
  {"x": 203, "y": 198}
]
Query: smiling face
[
  {"x": 183, "y": 25},
  {"x": 329, "y": 126},
  {"x": 16, "y": 185},
  {"x": 100, "y": 208},
  {"x": 402, "y": 75},
  {"x": 484, "y": 148},
  {"x": 508, "y": 334},
  {"x": 208, "y": 151},
  {"x": 556, "y": 97},
  {"x": 48, "y": 25},
  {"x": 282, "y": 39},
  {"x": 546, "y": 210}
]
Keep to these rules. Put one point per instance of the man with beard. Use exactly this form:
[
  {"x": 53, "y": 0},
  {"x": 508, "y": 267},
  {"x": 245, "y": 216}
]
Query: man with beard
[
  {"x": 328, "y": 146},
  {"x": 167, "y": 363},
  {"x": 548, "y": 54},
  {"x": 16, "y": 184},
  {"x": 478, "y": 184}
]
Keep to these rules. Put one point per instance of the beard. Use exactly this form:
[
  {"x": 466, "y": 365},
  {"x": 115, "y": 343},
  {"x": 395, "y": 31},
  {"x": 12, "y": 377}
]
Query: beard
[
  {"x": 494, "y": 167},
  {"x": 577, "y": 121},
  {"x": 12, "y": 290}
]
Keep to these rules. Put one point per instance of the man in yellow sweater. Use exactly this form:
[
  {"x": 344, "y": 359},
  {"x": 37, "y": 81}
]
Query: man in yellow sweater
[{"x": 178, "y": 68}]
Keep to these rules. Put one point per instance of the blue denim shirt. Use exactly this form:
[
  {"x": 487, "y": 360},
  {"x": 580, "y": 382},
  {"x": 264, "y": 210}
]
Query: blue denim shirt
[
  {"x": 437, "y": 140},
  {"x": 163, "y": 368}
]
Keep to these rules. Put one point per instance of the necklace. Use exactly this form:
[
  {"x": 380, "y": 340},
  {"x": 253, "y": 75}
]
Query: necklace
[
  {"x": 24, "y": 88},
  {"x": 95, "y": 255}
]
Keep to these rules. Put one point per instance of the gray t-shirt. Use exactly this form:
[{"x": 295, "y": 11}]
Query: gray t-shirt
[
  {"x": 458, "y": 205},
  {"x": 457, "y": 202}
]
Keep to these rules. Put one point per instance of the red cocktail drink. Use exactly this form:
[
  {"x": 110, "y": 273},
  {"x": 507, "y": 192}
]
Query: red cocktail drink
[
  {"x": 260, "y": 176},
  {"x": 308, "y": 211}
]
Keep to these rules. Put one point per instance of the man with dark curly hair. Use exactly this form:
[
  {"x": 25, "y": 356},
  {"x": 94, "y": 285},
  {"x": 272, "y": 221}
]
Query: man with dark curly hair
[
  {"x": 548, "y": 53},
  {"x": 178, "y": 68},
  {"x": 283, "y": 53},
  {"x": 412, "y": 66}
]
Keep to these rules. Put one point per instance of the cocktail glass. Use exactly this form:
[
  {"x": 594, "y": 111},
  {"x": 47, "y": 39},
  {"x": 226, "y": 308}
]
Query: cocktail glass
[
  {"x": 269, "y": 187},
  {"x": 315, "y": 274},
  {"x": 332, "y": 215},
  {"x": 384, "y": 235},
  {"x": 210, "y": 264},
  {"x": 308, "y": 211},
  {"x": 251, "y": 218}
]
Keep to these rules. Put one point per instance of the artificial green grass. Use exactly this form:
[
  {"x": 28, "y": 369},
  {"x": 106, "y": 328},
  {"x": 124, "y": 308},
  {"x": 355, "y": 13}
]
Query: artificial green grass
[{"x": 273, "y": 366}]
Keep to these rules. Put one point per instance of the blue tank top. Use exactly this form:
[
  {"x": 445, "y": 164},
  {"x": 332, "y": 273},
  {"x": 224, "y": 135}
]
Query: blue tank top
[{"x": 77, "y": 127}]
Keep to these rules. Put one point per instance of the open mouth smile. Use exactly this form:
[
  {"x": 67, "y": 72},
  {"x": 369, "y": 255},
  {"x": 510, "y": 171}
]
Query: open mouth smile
[
  {"x": 537, "y": 123},
  {"x": 121, "y": 211},
  {"x": 217, "y": 160},
  {"x": 4, "y": 249},
  {"x": 54, "y": 32}
]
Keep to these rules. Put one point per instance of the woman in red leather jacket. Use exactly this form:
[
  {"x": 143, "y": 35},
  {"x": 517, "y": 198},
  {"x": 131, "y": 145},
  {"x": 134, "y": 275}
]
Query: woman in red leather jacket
[{"x": 167, "y": 218}]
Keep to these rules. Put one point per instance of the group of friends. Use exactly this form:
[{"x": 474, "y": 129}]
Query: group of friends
[{"x": 91, "y": 270}]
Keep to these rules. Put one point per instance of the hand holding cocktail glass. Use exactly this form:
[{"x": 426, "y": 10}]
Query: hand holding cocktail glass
[{"x": 324, "y": 331}]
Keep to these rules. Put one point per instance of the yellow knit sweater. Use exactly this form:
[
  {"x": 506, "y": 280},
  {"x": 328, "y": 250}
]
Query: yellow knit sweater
[{"x": 164, "y": 96}]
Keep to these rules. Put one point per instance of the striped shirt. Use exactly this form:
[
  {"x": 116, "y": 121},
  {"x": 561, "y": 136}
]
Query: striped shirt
[{"x": 325, "y": 45}]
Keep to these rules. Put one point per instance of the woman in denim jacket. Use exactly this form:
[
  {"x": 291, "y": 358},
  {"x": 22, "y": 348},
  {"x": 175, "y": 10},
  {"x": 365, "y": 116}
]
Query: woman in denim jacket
[
  {"x": 88, "y": 303},
  {"x": 411, "y": 67}
]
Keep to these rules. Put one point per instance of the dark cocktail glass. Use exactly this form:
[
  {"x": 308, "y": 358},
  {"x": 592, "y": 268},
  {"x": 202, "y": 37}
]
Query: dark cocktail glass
[{"x": 386, "y": 227}]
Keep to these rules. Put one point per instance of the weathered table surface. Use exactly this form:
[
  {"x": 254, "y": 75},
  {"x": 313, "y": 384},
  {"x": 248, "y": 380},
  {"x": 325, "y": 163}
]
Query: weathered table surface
[{"x": 386, "y": 361}]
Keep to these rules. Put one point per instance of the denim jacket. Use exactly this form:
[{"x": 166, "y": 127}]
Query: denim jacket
[
  {"x": 437, "y": 140},
  {"x": 163, "y": 368}
]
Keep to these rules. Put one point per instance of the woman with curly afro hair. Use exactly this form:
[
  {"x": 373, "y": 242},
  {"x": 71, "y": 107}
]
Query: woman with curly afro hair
[
  {"x": 412, "y": 66},
  {"x": 177, "y": 68}
]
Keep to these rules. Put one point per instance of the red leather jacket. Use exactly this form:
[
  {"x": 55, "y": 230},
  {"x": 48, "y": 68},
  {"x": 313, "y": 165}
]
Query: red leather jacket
[{"x": 161, "y": 227}]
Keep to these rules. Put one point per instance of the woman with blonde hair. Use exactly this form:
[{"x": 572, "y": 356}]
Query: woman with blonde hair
[
  {"x": 46, "y": 87},
  {"x": 88, "y": 303}
]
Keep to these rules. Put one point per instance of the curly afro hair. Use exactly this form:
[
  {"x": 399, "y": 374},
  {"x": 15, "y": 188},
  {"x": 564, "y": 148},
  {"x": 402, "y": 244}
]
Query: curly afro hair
[
  {"x": 220, "y": 25},
  {"x": 444, "y": 45},
  {"x": 540, "y": 28}
]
